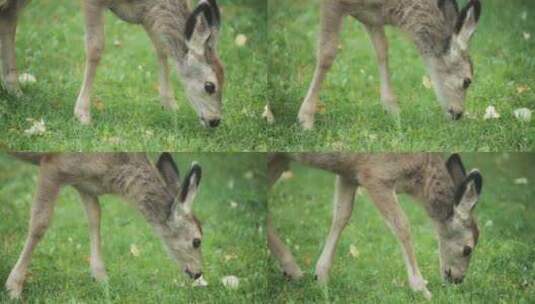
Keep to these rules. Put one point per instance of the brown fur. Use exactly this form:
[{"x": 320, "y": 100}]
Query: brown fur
[
  {"x": 426, "y": 177},
  {"x": 129, "y": 175}
]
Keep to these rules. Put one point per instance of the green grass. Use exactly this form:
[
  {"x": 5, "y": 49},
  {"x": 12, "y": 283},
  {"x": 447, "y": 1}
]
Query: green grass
[
  {"x": 59, "y": 272},
  {"x": 354, "y": 119},
  {"x": 50, "y": 45},
  {"x": 502, "y": 269}
]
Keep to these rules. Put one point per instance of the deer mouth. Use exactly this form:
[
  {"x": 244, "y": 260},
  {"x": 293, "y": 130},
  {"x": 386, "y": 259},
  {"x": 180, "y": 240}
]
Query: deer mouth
[
  {"x": 192, "y": 275},
  {"x": 452, "y": 279}
]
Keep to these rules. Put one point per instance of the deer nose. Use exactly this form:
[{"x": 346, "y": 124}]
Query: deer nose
[
  {"x": 197, "y": 275},
  {"x": 214, "y": 123},
  {"x": 455, "y": 115}
]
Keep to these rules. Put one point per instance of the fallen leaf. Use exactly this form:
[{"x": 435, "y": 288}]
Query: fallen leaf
[
  {"x": 523, "y": 114},
  {"x": 489, "y": 223},
  {"x": 99, "y": 105},
  {"x": 233, "y": 204},
  {"x": 321, "y": 107},
  {"x": 521, "y": 181},
  {"x": 25, "y": 78},
  {"x": 231, "y": 282},
  {"x": 38, "y": 127},
  {"x": 241, "y": 40},
  {"x": 229, "y": 257},
  {"x": 526, "y": 35},
  {"x": 491, "y": 113},
  {"x": 268, "y": 115},
  {"x": 522, "y": 88},
  {"x": 117, "y": 43},
  {"x": 286, "y": 175},
  {"x": 427, "y": 82},
  {"x": 353, "y": 251},
  {"x": 134, "y": 250}
]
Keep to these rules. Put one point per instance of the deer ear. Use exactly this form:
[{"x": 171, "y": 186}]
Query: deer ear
[
  {"x": 469, "y": 192},
  {"x": 467, "y": 23},
  {"x": 450, "y": 10},
  {"x": 456, "y": 169},
  {"x": 200, "y": 24},
  {"x": 169, "y": 171},
  {"x": 190, "y": 187}
]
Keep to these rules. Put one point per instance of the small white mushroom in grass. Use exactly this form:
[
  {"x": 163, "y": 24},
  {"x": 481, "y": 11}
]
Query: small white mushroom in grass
[
  {"x": 527, "y": 36},
  {"x": 27, "y": 78},
  {"x": 231, "y": 282},
  {"x": 241, "y": 40},
  {"x": 200, "y": 282},
  {"x": 491, "y": 113},
  {"x": 523, "y": 114}
]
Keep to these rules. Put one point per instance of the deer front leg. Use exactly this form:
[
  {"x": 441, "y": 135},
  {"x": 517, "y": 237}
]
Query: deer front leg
[
  {"x": 94, "y": 27},
  {"x": 329, "y": 38},
  {"x": 380, "y": 43},
  {"x": 41, "y": 216},
  {"x": 8, "y": 29},
  {"x": 92, "y": 209},
  {"x": 386, "y": 201},
  {"x": 342, "y": 209},
  {"x": 167, "y": 97},
  {"x": 282, "y": 253}
]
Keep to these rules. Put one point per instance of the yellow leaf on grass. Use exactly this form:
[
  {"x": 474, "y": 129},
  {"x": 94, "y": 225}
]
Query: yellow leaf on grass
[
  {"x": 522, "y": 88},
  {"x": 99, "y": 105},
  {"x": 134, "y": 250}
]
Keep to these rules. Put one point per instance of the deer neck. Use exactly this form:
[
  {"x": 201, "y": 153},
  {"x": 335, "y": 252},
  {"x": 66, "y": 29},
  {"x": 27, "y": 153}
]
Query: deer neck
[
  {"x": 438, "y": 191},
  {"x": 424, "y": 22},
  {"x": 167, "y": 21},
  {"x": 141, "y": 185}
]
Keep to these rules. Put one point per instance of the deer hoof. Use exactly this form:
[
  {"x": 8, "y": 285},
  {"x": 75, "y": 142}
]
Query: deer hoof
[
  {"x": 84, "y": 117},
  {"x": 14, "y": 288},
  {"x": 99, "y": 274},
  {"x": 169, "y": 103}
]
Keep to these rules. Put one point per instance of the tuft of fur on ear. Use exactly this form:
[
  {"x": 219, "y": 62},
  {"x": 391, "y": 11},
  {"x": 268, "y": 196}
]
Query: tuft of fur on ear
[
  {"x": 476, "y": 5},
  {"x": 465, "y": 193},
  {"x": 216, "y": 12},
  {"x": 191, "y": 182},
  {"x": 456, "y": 169},
  {"x": 169, "y": 171}
]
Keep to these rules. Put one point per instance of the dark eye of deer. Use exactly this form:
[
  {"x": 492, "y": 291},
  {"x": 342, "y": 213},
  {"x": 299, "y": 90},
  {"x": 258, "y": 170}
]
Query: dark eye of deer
[
  {"x": 209, "y": 87},
  {"x": 196, "y": 243},
  {"x": 467, "y": 82},
  {"x": 467, "y": 250}
]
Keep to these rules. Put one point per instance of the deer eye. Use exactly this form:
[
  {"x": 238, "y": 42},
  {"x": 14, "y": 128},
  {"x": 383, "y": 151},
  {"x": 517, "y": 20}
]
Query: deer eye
[
  {"x": 196, "y": 243},
  {"x": 466, "y": 83},
  {"x": 209, "y": 87},
  {"x": 467, "y": 250}
]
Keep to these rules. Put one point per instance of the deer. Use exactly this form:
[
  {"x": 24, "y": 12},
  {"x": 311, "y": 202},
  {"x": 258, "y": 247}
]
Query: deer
[
  {"x": 9, "y": 13},
  {"x": 188, "y": 36},
  {"x": 442, "y": 187},
  {"x": 440, "y": 31},
  {"x": 155, "y": 191}
]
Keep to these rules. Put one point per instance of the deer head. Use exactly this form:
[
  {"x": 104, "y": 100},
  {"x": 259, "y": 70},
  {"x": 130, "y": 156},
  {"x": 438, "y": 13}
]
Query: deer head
[
  {"x": 452, "y": 71},
  {"x": 201, "y": 71},
  {"x": 182, "y": 233},
  {"x": 459, "y": 233}
]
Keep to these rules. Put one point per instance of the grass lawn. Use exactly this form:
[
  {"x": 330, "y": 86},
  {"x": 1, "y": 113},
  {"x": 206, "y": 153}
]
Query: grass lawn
[
  {"x": 233, "y": 244},
  {"x": 354, "y": 119},
  {"x": 127, "y": 115},
  {"x": 502, "y": 269}
]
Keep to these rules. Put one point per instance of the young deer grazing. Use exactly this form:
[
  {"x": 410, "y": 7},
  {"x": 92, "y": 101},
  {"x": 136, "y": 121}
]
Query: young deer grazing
[
  {"x": 440, "y": 31},
  {"x": 156, "y": 192},
  {"x": 443, "y": 188},
  {"x": 188, "y": 37},
  {"x": 9, "y": 10}
]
